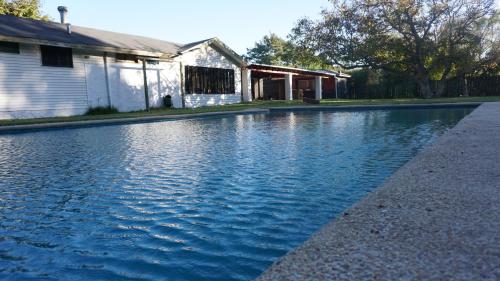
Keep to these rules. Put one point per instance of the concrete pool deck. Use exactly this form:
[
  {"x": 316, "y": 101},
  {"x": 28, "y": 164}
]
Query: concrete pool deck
[{"x": 436, "y": 218}]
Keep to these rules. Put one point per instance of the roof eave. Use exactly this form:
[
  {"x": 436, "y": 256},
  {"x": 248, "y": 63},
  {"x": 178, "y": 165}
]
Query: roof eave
[{"x": 94, "y": 48}]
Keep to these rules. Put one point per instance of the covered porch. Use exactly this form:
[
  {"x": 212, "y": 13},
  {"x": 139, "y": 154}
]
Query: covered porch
[{"x": 268, "y": 82}]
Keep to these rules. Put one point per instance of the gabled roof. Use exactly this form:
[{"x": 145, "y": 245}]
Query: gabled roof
[
  {"x": 190, "y": 46},
  {"x": 218, "y": 45},
  {"x": 51, "y": 33}
]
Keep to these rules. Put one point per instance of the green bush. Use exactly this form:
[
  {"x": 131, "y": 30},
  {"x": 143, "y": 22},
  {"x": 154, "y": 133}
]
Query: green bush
[{"x": 101, "y": 110}]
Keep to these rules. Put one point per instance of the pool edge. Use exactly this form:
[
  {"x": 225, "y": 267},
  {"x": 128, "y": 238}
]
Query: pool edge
[
  {"x": 373, "y": 107},
  {"x": 122, "y": 121},
  {"x": 146, "y": 119},
  {"x": 437, "y": 217}
]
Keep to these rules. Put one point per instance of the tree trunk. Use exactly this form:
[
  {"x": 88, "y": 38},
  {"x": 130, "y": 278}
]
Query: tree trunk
[
  {"x": 422, "y": 77},
  {"x": 425, "y": 87},
  {"x": 466, "y": 87},
  {"x": 441, "y": 85}
]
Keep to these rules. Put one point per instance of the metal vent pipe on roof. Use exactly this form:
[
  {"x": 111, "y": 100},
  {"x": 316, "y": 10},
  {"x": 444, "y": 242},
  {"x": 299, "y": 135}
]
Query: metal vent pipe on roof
[{"x": 63, "y": 11}]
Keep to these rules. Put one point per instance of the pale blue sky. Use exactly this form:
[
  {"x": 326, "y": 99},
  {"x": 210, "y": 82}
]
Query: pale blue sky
[{"x": 238, "y": 23}]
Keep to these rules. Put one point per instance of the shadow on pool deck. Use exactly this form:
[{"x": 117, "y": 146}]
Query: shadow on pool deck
[{"x": 437, "y": 218}]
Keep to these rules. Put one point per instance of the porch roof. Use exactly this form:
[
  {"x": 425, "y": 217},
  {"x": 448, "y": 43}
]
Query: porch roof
[{"x": 275, "y": 69}]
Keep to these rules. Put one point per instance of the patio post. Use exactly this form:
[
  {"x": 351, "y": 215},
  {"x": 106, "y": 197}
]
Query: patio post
[
  {"x": 246, "y": 88},
  {"x": 288, "y": 86},
  {"x": 318, "y": 88}
]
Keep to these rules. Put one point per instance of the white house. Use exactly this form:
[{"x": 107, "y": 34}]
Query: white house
[{"x": 57, "y": 69}]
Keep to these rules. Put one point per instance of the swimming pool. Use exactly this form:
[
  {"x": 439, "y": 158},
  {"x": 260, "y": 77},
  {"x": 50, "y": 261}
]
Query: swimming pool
[{"x": 203, "y": 199}]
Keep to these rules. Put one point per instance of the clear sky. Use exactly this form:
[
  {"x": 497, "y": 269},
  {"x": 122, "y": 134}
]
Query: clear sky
[{"x": 238, "y": 23}]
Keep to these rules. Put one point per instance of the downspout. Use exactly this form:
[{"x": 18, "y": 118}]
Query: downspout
[
  {"x": 106, "y": 77},
  {"x": 146, "y": 91}
]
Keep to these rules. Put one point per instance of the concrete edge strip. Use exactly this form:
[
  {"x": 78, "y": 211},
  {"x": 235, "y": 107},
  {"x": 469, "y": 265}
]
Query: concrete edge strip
[
  {"x": 346, "y": 248},
  {"x": 146, "y": 119},
  {"x": 120, "y": 121},
  {"x": 374, "y": 107}
]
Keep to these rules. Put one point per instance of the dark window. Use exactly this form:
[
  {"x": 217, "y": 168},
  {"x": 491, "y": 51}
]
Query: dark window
[
  {"x": 9, "y": 47},
  {"x": 56, "y": 56},
  {"x": 205, "y": 80},
  {"x": 127, "y": 57}
]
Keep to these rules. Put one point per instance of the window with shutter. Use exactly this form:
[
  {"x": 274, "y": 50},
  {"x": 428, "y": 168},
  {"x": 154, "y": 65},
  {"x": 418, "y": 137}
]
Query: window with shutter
[{"x": 208, "y": 80}]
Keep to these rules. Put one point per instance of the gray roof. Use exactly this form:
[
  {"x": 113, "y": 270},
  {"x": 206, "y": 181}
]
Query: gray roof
[
  {"x": 194, "y": 44},
  {"x": 15, "y": 27}
]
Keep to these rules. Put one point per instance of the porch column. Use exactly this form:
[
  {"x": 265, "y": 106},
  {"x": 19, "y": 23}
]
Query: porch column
[
  {"x": 246, "y": 87},
  {"x": 255, "y": 90},
  {"x": 288, "y": 86},
  {"x": 336, "y": 88},
  {"x": 318, "y": 87},
  {"x": 261, "y": 88}
]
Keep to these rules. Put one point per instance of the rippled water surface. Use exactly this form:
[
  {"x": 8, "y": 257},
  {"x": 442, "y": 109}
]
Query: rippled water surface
[{"x": 203, "y": 199}]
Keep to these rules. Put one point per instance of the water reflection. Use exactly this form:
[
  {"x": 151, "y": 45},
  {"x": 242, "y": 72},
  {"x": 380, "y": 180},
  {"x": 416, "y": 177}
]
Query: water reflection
[{"x": 204, "y": 199}]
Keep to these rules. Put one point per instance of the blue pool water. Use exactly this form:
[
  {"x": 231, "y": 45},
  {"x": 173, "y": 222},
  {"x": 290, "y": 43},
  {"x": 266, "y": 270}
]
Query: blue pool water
[{"x": 204, "y": 199}]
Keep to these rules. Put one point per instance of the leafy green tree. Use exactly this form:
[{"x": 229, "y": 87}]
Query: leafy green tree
[
  {"x": 428, "y": 39},
  {"x": 274, "y": 50},
  {"x": 22, "y": 8},
  {"x": 270, "y": 50}
]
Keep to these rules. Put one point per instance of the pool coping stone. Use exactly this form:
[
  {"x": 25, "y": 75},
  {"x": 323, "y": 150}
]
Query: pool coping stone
[
  {"x": 121, "y": 121},
  {"x": 146, "y": 119},
  {"x": 374, "y": 106},
  {"x": 436, "y": 218}
]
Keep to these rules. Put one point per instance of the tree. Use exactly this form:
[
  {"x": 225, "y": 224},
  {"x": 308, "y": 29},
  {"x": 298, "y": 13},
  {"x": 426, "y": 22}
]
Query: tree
[
  {"x": 274, "y": 50},
  {"x": 270, "y": 50},
  {"x": 22, "y": 8},
  {"x": 428, "y": 39}
]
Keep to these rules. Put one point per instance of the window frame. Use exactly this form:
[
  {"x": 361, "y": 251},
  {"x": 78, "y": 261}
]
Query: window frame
[
  {"x": 209, "y": 80},
  {"x": 14, "y": 47},
  {"x": 122, "y": 57},
  {"x": 64, "y": 62}
]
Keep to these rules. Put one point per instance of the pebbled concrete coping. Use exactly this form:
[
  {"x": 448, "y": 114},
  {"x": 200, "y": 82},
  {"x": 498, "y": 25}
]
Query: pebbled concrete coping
[
  {"x": 119, "y": 121},
  {"x": 145, "y": 119},
  {"x": 373, "y": 107},
  {"x": 436, "y": 218}
]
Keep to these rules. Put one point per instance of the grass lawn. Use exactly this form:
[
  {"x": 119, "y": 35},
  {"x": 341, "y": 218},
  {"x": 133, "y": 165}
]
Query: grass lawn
[{"x": 242, "y": 106}]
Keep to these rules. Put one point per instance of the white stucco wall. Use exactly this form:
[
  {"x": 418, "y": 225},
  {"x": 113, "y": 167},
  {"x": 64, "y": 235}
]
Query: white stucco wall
[
  {"x": 206, "y": 56},
  {"x": 127, "y": 84},
  {"x": 95, "y": 81},
  {"x": 30, "y": 90}
]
